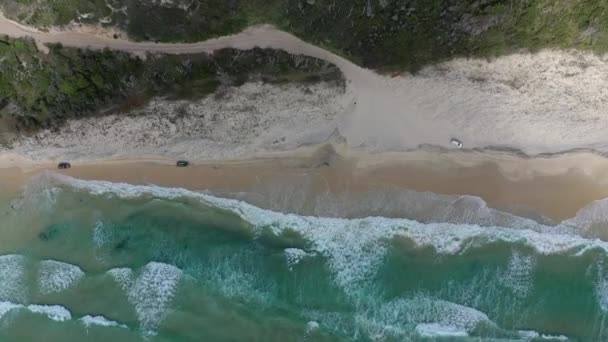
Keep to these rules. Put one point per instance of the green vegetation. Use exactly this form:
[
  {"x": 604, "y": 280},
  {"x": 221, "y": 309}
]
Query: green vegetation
[
  {"x": 40, "y": 90},
  {"x": 383, "y": 34},
  {"x": 44, "y": 13},
  {"x": 163, "y": 20},
  {"x": 410, "y": 34}
]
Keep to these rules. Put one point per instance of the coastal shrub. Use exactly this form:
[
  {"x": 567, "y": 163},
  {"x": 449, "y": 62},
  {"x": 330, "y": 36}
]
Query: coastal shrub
[
  {"x": 407, "y": 35},
  {"x": 383, "y": 34},
  {"x": 42, "y": 90}
]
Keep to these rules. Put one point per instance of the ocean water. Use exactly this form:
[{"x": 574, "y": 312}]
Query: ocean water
[{"x": 97, "y": 261}]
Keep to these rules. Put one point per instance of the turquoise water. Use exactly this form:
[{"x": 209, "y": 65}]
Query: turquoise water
[{"x": 93, "y": 261}]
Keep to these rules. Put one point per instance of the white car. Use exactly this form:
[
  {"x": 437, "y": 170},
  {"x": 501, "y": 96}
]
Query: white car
[{"x": 456, "y": 143}]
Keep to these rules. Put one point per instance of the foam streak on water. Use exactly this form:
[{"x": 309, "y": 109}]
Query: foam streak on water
[
  {"x": 518, "y": 275},
  {"x": 438, "y": 330},
  {"x": 57, "y": 276},
  {"x": 151, "y": 293},
  {"x": 12, "y": 278}
]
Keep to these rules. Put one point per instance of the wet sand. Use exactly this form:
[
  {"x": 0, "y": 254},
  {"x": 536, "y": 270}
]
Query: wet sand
[{"x": 555, "y": 187}]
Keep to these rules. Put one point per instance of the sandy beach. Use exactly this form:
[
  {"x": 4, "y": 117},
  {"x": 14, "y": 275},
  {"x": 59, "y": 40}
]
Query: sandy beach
[
  {"x": 390, "y": 135},
  {"x": 545, "y": 189}
]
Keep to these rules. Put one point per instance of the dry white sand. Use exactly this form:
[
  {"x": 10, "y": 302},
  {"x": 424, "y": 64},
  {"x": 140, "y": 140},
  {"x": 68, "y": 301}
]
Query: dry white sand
[
  {"x": 539, "y": 103},
  {"x": 244, "y": 122}
]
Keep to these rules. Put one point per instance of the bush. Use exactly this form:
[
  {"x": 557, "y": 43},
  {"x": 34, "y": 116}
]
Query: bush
[{"x": 47, "y": 89}]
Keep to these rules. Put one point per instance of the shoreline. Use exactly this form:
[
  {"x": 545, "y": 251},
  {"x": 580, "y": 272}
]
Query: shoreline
[
  {"x": 552, "y": 189},
  {"x": 554, "y": 164}
]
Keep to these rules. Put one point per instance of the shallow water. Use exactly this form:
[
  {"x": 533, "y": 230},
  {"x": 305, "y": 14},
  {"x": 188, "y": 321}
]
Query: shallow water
[{"x": 95, "y": 261}]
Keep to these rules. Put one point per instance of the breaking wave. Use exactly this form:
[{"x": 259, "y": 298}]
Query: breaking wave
[
  {"x": 57, "y": 313},
  {"x": 53, "y": 312},
  {"x": 56, "y": 276},
  {"x": 357, "y": 252},
  {"x": 90, "y": 321},
  {"x": 12, "y": 275},
  {"x": 150, "y": 293},
  {"x": 446, "y": 238}
]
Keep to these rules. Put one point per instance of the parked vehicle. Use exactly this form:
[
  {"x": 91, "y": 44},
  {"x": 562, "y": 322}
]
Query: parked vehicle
[
  {"x": 64, "y": 165},
  {"x": 182, "y": 163},
  {"x": 456, "y": 143}
]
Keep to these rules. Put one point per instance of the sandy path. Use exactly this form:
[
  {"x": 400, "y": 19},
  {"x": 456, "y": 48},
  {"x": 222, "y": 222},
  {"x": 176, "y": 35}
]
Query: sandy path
[
  {"x": 544, "y": 103},
  {"x": 372, "y": 98}
]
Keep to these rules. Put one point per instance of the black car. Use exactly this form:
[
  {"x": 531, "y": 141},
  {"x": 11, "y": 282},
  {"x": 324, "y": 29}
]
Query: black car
[
  {"x": 182, "y": 163},
  {"x": 64, "y": 165}
]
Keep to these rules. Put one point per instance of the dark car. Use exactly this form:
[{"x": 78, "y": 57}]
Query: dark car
[
  {"x": 182, "y": 163},
  {"x": 64, "y": 165}
]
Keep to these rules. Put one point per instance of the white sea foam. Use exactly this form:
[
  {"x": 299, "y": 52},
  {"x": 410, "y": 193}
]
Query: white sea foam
[
  {"x": 438, "y": 330},
  {"x": 553, "y": 243},
  {"x": 529, "y": 335},
  {"x": 311, "y": 327},
  {"x": 56, "y": 276},
  {"x": 12, "y": 278},
  {"x": 236, "y": 275},
  {"x": 151, "y": 293},
  {"x": 421, "y": 309},
  {"x": 398, "y": 317},
  {"x": 293, "y": 256},
  {"x": 123, "y": 277},
  {"x": 100, "y": 234},
  {"x": 591, "y": 216},
  {"x": 54, "y": 312},
  {"x": 554, "y": 337},
  {"x": 89, "y": 321},
  {"x": 518, "y": 275},
  {"x": 5, "y": 307},
  {"x": 366, "y": 238},
  {"x": 601, "y": 291},
  {"x": 355, "y": 248}
]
